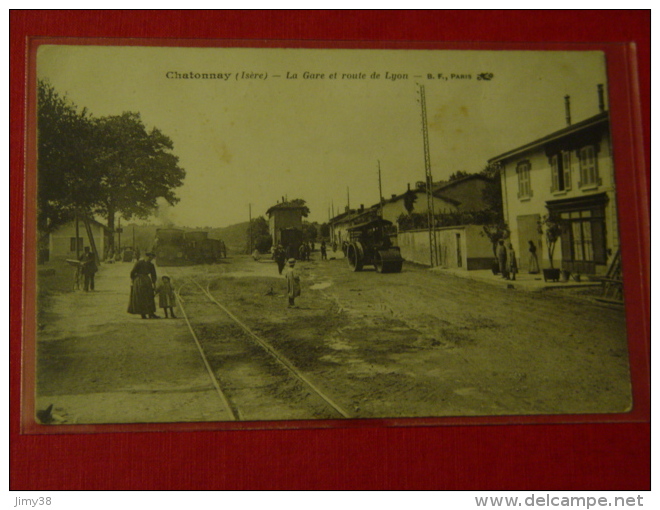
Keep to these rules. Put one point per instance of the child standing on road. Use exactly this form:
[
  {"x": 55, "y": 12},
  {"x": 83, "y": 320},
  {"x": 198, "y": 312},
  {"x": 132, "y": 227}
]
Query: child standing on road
[
  {"x": 166, "y": 297},
  {"x": 292, "y": 282}
]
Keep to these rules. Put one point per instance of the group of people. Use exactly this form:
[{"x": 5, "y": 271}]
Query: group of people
[
  {"x": 144, "y": 288},
  {"x": 506, "y": 259}
]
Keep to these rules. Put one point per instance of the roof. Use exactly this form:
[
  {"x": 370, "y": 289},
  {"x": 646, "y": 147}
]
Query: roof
[
  {"x": 436, "y": 194},
  {"x": 285, "y": 205},
  {"x": 92, "y": 221},
  {"x": 373, "y": 223},
  {"x": 455, "y": 182},
  {"x": 601, "y": 118}
]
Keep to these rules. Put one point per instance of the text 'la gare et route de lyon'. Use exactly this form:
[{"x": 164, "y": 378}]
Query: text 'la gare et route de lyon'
[{"x": 290, "y": 75}]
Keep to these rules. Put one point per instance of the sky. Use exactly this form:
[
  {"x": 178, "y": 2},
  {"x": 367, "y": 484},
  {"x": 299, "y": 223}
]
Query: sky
[{"x": 261, "y": 134}]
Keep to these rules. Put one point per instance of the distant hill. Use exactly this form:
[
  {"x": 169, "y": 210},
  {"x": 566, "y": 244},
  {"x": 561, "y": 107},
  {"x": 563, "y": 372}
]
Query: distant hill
[{"x": 234, "y": 236}]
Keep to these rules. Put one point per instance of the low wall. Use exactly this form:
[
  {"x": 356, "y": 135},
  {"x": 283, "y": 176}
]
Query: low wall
[{"x": 458, "y": 247}]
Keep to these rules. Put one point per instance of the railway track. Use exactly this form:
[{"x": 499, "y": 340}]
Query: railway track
[{"x": 254, "y": 381}]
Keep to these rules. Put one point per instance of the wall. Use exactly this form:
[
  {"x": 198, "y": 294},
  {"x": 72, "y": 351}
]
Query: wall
[
  {"x": 475, "y": 250},
  {"x": 284, "y": 218},
  {"x": 59, "y": 244}
]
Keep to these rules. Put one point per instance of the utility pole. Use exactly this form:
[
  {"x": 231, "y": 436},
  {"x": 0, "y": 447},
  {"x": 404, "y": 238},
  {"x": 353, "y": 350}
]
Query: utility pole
[
  {"x": 380, "y": 191},
  {"x": 77, "y": 237},
  {"x": 119, "y": 234},
  {"x": 250, "y": 231},
  {"x": 433, "y": 247}
]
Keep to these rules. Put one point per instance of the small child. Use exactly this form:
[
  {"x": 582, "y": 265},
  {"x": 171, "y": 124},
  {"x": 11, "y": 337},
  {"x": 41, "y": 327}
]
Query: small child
[{"x": 166, "y": 297}]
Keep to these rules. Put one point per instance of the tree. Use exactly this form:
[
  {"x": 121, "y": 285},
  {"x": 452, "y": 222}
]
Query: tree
[
  {"x": 258, "y": 235},
  {"x": 302, "y": 203},
  {"x": 310, "y": 231},
  {"x": 551, "y": 227},
  {"x": 495, "y": 232},
  {"x": 492, "y": 192},
  {"x": 409, "y": 199},
  {"x": 458, "y": 174},
  {"x": 324, "y": 230},
  {"x": 67, "y": 183},
  {"x": 136, "y": 168}
]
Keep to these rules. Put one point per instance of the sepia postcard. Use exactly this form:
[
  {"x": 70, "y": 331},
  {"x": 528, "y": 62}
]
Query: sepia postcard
[{"x": 289, "y": 237}]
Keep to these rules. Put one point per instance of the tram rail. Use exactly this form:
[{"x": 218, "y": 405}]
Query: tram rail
[{"x": 257, "y": 340}]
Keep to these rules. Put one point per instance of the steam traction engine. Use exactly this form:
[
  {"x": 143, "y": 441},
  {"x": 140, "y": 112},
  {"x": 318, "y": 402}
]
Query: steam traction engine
[{"x": 369, "y": 244}]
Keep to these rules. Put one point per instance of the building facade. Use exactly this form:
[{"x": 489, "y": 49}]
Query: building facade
[
  {"x": 62, "y": 242},
  {"x": 284, "y": 216},
  {"x": 569, "y": 176}
]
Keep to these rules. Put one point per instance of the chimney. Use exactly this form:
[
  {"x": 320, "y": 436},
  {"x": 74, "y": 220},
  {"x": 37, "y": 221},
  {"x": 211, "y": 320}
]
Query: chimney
[
  {"x": 567, "y": 104},
  {"x": 408, "y": 186},
  {"x": 601, "y": 98}
]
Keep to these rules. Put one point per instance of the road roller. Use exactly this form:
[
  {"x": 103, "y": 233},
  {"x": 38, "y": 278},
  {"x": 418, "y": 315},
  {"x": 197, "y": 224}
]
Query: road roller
[{"x": 370, "y": 245}]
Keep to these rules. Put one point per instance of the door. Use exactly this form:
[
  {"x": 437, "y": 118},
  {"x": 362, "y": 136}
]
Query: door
[{"x": 528, "y": 230}]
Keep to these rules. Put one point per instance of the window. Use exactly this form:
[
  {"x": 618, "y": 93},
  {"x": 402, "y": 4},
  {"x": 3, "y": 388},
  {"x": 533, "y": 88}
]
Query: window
[
  {"x": 585, "y": 232},
  {"x": 560, "y": 165},
  {"x": 566, "y": 161},
  {"x": 524, "y": 183},
  {"x": 588, "y": 167},
  {"x": 72, "y": 246}
]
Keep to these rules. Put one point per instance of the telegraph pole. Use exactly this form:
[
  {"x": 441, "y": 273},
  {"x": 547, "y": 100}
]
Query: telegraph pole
[
  {"x": 429, "y": 181},
  {"x": 250, "y": 231},
  {"x": 380, "y": 191}
]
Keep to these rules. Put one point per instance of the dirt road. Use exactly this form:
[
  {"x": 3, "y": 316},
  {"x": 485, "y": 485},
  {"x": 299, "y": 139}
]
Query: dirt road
[{"x": 413, "y": 344}]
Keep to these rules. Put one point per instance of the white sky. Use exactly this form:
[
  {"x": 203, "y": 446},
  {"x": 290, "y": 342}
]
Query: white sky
[{"x": 251, "y": 142}]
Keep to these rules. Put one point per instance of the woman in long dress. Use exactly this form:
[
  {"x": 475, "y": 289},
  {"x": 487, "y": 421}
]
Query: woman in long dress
[
  {"x": 533, "y": 259},
  {"x": 143, "y": 277}
]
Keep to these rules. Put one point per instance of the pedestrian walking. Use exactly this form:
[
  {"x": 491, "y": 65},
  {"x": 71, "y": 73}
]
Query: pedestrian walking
[
  {"x": 88, "y": 269},
  {"x": 292, "y": 282},
  {"x": 143, "y": 278},
  {"x": 324, "y": 251},
  {"x": 501, "y": 259},
  {"x": 533, "y": 259},
  {"x": 166, "y": 298},
  {"x": 512, "y": 264}
]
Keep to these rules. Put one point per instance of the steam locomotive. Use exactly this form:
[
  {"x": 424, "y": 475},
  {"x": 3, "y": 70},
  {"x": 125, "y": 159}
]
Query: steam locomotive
[{"x": 176, "y": 247}]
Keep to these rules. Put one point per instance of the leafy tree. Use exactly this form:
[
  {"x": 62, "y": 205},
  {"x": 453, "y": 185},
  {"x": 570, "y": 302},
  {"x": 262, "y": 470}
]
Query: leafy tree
[
  {"x": 459, "y": 174},
  {"x": 302, "y": 203},
  {"x": 310, "y": 231},
  {"x": 409, "y": 199},
  {"x": 66, "y": 179},
  {"x": 495, "y": 232},
  {"x": 324, "y": 230},
  {"x": 492, "y": 193},
  {"x": 551, "y": 226},
  {"x": 136, "y": 168},
  {"x": 258, "y": 235}
]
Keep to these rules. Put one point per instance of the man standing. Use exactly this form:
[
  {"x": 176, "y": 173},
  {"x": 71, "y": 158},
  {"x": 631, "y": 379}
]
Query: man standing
[
  {"x": 280, "y": 257},
  {"x": 143, "y": 277},
  {"x": 324, "y": 251},
  {"x": 88, "y": 269},
  {"x": 501, "y": 259}
]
